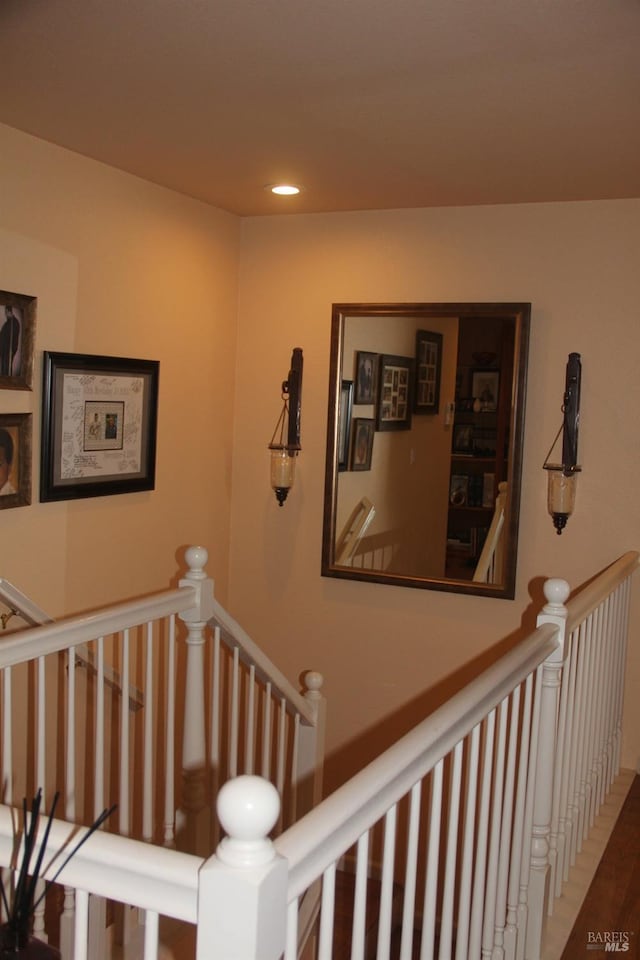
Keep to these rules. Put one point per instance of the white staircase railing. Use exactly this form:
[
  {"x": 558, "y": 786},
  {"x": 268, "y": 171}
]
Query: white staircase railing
[
  {"x": 208, "y": 705},
  {"x": 459, "y": 824}
]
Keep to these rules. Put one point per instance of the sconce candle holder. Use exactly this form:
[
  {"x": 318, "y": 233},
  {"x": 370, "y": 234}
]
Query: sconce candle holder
[
  {"x": 563, "y": 477},
  {"x": 284, "y": 454}
]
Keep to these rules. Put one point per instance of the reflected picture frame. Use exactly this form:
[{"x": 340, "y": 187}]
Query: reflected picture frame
[
  {"x": 395, "y": 393},
  {"x": 485, "y": 385},
  {"x": 366, "y": 377},
  {"x": 15, "y": 460},
  {"x": 344, "y": 423},
  {"x": 99, "y": 425},
  {"x": 362, "y": 451},
  {"x": 427, "y": 372},
  {"x": 17, "y": 340}
]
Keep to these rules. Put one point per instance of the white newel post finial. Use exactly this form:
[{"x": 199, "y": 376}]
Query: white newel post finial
[
  {"x": 242, "y": 891},
  {"x": 556, "y": 593},
  {"x": 194, "y": 760}
]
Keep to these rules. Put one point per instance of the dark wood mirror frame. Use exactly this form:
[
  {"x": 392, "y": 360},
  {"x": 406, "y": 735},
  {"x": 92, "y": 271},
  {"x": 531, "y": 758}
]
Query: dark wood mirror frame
[{"x": 507, "y": 372}]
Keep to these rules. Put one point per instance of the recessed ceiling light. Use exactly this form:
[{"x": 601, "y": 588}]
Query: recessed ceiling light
[{"x": 284, "y": 189}]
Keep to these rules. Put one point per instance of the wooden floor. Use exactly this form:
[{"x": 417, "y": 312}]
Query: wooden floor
[{"x": 612, "y": 904}]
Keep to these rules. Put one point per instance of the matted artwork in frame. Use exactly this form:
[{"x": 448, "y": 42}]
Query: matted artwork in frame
[
  {"x": 394, "y": 393},
  {"x": 428, "y": 366},
  {"x": 344, "y": 423},
  {"x": 17, "y": 339},
  {"x": 363, "y": 434},
  {"x": 15, "y": 460},
  {"x": 99, "y": 423}
]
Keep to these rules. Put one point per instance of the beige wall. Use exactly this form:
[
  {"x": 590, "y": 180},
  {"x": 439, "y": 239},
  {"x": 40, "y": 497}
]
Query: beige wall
[
  {"x": 124, "y": 268},
  {"x": 379, "y": 647}
]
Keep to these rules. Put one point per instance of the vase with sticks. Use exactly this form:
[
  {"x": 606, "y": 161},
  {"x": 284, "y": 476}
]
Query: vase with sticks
[{"x": 16, "y": 940}]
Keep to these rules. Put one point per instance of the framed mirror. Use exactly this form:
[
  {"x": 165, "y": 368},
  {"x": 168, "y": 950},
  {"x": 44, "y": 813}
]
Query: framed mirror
[{"x": 422, "y": 483}]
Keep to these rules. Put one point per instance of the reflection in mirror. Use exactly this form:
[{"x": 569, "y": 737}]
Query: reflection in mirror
[{"x": 424, "y": 444}]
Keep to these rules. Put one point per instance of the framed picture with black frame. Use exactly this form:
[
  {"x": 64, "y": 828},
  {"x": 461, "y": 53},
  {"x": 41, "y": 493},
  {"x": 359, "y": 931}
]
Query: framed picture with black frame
[
  {"x": 344, "y": 423},
  {"x": 15, "y": 460},
  {"x": 428, "y": 367},
  {"x": 395, "y": 393},
  {"x": 484, "y": 387},
  {"x": 17, "y": 339},
  {"x": 363, "y": 434},
  {"x": 99, "y": 423},
  {"x": 366, "y": 374}
]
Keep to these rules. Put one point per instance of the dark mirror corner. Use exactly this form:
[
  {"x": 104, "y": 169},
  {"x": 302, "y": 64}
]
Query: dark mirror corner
[{"x": 425, "y": 429}]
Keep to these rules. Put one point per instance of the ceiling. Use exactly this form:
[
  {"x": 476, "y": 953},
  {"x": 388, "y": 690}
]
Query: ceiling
[{"x": 369, "y": 104}]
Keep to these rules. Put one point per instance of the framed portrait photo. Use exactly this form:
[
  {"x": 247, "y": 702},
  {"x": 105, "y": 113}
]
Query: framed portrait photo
[
  {"x": 395, "y": 393},
  {"x": 99, "y": 422},
  {"x": 17, "y": 338},
  {"x": 363, "y": 433},
  {"x": 15, "y": 460},
  {"x": 366, "y": 374},
  {"x": 428, "y": 366}
]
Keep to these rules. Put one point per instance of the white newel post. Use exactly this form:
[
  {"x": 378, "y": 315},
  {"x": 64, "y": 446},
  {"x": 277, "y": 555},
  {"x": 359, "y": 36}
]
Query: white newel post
[
  {"x": 310, "y": 761},
  {"x": 556, "y": 592},
  {"x": 194, "y": 809},
  {"x": 242, "y": 889}
]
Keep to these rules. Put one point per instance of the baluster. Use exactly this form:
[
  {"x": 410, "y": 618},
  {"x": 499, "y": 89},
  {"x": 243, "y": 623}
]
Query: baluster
[
  {"x": 431, "y": 883},
  {"x": 242, "y": 890},
  {"x": 408, "y": 907},
  {"x": 249, "y": 752},
  {"x": 281, "y": 757},
  {"x": 214, "y": 745},
  {"x": 494, "y": 833},
  {"x": 327, "y": 911},
  {"x": 41, "y": 782},
  {"x": 505, "y": 830},
  {"x": 464, "y": 910},
  {"x": 147, "y": 789},
  {"x": 577, "y": 759},
  {"x": 194, "y": 758},
  {"x": 234, "y": 719},
  {"x": 446, "y": 925},
  {"x": 477, "y": 906},
  {"x": 7, "y": 738},
  {"x": 266, "y": 732},
  {"x": 386, "y": 889},
  {"x": 169, "y": 776},
  {"x": 514, "y": 930}
]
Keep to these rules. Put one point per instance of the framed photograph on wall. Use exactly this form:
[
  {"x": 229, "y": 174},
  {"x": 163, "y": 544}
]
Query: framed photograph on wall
[
  {"x": 428, "y": 366},
  {"x": 395, "y": 393},
  {"x": 484, "y": 387},
  {"x": 363, "y": 433},
  {"x": 15, "y": 460},
  {"x": 366, "y": 373},
  {"x": 344, "y": 423},
  {"x": 99, "y": 422},
  {"x": 17, "y": 339}
]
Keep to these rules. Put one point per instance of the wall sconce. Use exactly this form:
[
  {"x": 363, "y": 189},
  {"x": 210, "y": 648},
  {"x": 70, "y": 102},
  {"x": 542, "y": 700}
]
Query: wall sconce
[
  {"x": 563, "y": 477},
  {"x": 283, "y": 455}
]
